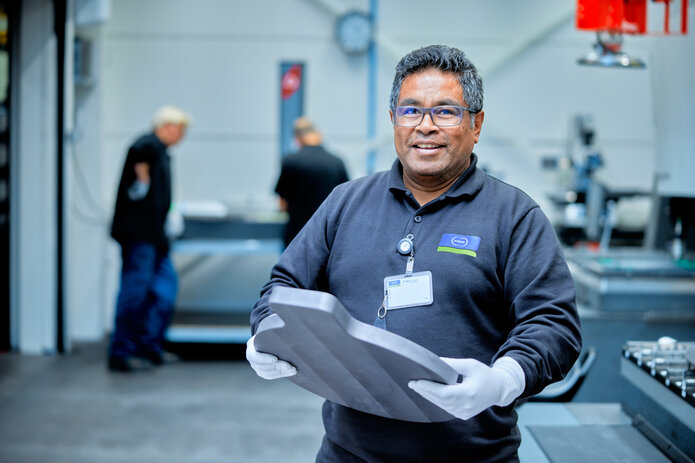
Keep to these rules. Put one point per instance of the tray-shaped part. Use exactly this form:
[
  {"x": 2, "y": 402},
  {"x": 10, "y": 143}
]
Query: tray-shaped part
[{"x": 349, "y": 362}]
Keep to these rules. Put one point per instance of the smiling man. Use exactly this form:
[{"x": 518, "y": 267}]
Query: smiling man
[
  {"x": 433, "y": 154},
  {"x": 502, "y": 311}
]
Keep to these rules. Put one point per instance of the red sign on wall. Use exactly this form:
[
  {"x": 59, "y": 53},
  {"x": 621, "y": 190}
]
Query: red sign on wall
[{"x": 291, "y": 81}]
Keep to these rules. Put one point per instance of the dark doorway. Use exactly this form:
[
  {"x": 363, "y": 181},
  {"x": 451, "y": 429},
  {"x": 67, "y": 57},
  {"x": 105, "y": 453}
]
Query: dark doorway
[{"x": 6, "y": 38}]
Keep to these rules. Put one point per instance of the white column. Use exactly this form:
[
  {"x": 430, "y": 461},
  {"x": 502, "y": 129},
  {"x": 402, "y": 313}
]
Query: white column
[
  {"x": 89, "y": 215},
  {"x": 34, "y": 246}
]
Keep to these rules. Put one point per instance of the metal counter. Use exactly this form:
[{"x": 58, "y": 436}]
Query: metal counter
[
  {"x": 222, "y": 264},
  {"x": 633, "y": 280}
]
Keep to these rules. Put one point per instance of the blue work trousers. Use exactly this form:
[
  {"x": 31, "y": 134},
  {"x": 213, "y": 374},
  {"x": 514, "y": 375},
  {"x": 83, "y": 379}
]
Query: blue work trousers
[{"x": 145, "y": 301}]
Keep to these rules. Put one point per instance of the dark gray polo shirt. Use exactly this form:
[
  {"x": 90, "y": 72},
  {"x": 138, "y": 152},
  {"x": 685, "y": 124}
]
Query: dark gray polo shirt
[{"x": 511, "y": 295}]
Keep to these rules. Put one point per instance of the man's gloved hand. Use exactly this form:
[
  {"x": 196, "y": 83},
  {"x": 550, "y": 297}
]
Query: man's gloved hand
[
  {"x": 482, "y": 386},
  {"x": 267, "y": 366}
]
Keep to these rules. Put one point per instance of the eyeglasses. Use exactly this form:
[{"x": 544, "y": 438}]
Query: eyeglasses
[{"x": 442, "y": 116}]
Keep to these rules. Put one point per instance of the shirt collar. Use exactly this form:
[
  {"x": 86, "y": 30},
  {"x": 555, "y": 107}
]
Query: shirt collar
[
  {"x": 158, "y": 141},
  {"x": 469, "y": 183}
]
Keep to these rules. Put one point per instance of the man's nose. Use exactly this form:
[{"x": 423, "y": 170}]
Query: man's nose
[{"x": 427, "y": 124}]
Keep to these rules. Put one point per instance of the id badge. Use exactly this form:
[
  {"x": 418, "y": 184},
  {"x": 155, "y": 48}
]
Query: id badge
[{"x": 403, "y": 291}]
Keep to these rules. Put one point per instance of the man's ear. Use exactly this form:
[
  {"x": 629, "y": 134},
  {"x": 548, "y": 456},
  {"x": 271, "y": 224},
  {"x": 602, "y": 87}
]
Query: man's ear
[{"x": 479, "y": 117}]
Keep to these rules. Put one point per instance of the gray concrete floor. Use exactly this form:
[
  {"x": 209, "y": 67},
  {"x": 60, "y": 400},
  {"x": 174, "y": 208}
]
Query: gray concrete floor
[{"x": 70, "y": 409}]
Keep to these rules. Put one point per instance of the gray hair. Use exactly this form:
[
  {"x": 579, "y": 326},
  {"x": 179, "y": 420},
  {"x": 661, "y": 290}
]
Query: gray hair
[
  {"x": 170, "y": 115},
  {"x": 446, "y": 59},
  {"x": 302, "y": 126}
]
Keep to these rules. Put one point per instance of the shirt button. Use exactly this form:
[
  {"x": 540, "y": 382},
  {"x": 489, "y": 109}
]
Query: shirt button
[{"x": 417, "y": 219}]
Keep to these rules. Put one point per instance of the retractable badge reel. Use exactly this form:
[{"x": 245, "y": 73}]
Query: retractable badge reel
[{"x": 405, "y": 246}]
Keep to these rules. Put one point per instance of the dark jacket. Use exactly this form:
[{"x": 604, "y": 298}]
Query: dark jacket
[
  {"x": 306, "y": 179},
  {"x": 143, "y": 220}
]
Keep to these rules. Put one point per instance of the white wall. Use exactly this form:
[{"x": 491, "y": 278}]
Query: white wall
[
  {"x": 674, "y": 109},
  {"x": 88, "y": 214},
  {"x": 220, "y": 60}
]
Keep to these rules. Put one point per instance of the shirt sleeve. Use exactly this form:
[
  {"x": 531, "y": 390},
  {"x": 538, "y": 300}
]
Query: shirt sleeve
[
  {"x": 546, "y": 336},
  {"x": 142, "y": 153},
  {"x": 281, "y": 186},
  {"x": 137, "y": 153},
  {"x": 303, "y": 263}
]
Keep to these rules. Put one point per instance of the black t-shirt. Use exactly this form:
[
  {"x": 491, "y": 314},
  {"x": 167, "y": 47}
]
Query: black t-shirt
[
  {"x": 306, "y": 179},
  {"x": 143, "y": 220}
]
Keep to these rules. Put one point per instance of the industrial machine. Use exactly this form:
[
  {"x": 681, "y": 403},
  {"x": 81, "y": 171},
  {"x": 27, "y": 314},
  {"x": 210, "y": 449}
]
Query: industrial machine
[
  {"x": 654, "y": 421},
  {"x": 660, "y": 394},
  {"x": 612, "y": 19},
  {"x": 584, "y": 208},
  {"x": 656, "y": 279}
]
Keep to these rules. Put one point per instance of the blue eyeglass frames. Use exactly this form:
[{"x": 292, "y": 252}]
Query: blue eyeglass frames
[{"x": 442, "y": 116}]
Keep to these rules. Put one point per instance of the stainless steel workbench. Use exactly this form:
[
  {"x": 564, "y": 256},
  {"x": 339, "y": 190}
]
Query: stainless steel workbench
[{"x": 633, "y": 280}]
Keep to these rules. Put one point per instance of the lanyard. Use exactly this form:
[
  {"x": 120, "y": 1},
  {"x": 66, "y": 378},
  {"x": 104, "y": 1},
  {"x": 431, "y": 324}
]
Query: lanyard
[{"x": 406, "y": 248}]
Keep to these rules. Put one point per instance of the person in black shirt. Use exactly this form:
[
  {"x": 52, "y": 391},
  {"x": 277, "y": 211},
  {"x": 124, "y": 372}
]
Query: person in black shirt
[
  {"x": 148, "y": 280},
  {"x": 307, "y": 177}
]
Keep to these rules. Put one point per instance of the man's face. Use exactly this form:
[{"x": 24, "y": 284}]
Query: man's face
[
  {"x": 178, "y": 131},
  {"x": 433, "y": 155},
  {"x": 171, "y": 133}
]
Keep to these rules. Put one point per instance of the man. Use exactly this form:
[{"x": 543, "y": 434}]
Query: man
[
  {"x": 503, "y": 312},
  {"x": 307, "y": 177},
  {"x": 148, "y": 280}
]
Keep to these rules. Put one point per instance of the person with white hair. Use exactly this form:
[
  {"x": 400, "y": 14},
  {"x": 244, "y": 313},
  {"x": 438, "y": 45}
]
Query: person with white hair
[{"x": 148, "y": 280}]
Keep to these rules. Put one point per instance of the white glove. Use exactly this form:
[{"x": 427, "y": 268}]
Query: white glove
[
  {"x": 482, "y": 386},
  {"x": 267, "y": 366},
  {"x": 174, "y": 224}
]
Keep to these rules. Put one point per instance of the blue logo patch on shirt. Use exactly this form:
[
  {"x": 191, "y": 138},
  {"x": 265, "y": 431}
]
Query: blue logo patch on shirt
[{"x": 459, "y": 244}]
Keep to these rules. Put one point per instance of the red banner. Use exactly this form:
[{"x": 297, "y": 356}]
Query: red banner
[{"x": 291, "y": 81}]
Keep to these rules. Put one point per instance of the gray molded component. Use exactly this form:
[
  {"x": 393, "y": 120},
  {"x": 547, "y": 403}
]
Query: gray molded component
[{"x": 349, "y": 362}]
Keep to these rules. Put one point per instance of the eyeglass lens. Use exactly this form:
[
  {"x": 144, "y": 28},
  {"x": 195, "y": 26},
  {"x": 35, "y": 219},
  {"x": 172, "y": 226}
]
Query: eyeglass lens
[{"x": 443, "y": 116}]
